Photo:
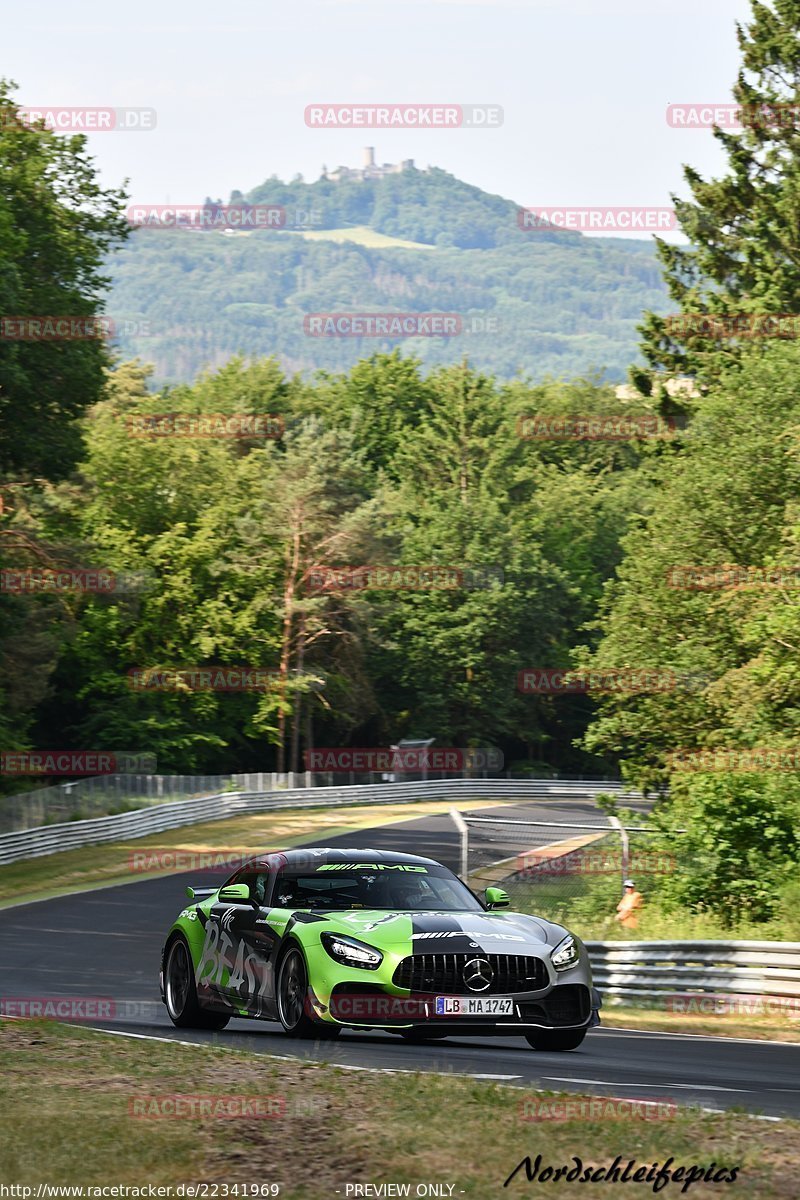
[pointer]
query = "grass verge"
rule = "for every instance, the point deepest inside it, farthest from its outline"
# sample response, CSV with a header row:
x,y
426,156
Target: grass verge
x,y
766,1027
69,1098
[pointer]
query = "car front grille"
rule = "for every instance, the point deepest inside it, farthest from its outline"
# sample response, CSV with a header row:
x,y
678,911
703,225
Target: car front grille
x,y
444,973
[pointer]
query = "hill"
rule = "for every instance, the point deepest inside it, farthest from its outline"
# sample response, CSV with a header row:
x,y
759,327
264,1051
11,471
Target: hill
x,y
538,302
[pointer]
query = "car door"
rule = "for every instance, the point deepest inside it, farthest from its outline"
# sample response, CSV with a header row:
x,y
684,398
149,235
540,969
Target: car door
x,y
263,940
236,967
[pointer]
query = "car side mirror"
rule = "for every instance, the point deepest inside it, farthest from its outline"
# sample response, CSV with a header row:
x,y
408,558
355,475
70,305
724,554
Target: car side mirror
x,y
234,893
496,898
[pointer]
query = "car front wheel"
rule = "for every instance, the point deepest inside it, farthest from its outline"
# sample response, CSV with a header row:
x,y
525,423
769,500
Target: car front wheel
x,y
292,994
556,1039
180,992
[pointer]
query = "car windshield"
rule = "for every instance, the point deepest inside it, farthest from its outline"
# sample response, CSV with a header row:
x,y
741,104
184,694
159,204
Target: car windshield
x,y
390,886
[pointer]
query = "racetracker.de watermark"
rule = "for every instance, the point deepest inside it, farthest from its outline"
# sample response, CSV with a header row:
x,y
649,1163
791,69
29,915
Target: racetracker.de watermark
x,y
627,680
144,862
615,219
402,578
733,325
726,114
34,581
76,762
170,858
28,328
369,1007
387,324
83,329
193,1106
403,760
205,425
754,758
597,1108
203,679
716,1005
621,427
593,862
200,217
711,578
59,1008
404,116
58,119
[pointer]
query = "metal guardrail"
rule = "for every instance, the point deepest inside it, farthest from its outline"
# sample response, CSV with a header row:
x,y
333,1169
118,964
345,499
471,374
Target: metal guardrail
x,y
107,795
630,971
72,835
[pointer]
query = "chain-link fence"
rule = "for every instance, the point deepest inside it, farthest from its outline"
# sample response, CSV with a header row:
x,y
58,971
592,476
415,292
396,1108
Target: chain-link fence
x,y
100,795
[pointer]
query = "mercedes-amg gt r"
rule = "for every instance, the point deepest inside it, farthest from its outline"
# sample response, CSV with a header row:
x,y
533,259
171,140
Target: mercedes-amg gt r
x,y
325,939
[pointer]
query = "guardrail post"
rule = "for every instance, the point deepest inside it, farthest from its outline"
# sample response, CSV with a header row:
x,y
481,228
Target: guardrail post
x,y
625,841
463,830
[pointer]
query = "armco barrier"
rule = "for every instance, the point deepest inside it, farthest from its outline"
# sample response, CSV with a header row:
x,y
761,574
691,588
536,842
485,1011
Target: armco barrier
x,y
653,971
50,839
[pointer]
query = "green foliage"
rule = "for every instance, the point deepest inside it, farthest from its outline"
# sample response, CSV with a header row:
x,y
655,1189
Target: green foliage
x,y
380,466
721,499
56,227
726,499
741,839
741,227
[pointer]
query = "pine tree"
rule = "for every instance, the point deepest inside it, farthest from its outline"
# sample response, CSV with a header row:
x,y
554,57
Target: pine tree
x,y
744,255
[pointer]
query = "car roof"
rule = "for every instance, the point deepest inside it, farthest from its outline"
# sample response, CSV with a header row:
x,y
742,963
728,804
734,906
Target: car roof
x,y
323,854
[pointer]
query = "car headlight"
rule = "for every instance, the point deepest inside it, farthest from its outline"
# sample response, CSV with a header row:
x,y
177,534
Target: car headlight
x,y
566,954
350,952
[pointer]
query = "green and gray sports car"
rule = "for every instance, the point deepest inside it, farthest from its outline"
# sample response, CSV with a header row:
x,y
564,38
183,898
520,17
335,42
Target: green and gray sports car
x,y
367,939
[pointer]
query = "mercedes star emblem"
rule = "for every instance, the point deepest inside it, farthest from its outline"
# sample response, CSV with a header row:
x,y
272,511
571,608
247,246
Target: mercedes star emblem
x,y
478,974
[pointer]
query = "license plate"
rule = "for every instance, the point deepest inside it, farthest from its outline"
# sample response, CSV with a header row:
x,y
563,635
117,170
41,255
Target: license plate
x,y
474,1006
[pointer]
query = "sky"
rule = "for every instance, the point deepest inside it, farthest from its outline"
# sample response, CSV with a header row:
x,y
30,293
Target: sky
x,y
584,87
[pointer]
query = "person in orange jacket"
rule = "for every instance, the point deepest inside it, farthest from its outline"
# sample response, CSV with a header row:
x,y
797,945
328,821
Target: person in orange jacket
x,y
629,905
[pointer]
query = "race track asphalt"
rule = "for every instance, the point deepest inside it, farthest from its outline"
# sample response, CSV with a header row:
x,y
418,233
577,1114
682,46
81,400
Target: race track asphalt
x,y
106,944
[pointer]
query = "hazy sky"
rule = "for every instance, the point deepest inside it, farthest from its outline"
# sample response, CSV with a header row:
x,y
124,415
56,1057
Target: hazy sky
x,y
584,85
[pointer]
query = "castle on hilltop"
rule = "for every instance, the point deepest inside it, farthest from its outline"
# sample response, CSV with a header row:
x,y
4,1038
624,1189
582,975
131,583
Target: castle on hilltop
x,y
370,170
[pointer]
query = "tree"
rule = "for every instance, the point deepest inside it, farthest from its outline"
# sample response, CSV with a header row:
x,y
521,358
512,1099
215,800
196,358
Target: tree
x,y
743,255
723,501
381,400
303,507
739,845
56,226
156,506
464,491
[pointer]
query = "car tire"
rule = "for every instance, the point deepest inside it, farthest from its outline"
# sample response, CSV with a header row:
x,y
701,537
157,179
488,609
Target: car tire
x,y
556,1039
180,991
291,994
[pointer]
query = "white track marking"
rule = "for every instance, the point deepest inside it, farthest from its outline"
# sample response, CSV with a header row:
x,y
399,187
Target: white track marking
x,y
147,1037
693,1087
704,1037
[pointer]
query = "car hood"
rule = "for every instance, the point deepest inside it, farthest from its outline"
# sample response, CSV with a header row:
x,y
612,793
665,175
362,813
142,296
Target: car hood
x,y
447,932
